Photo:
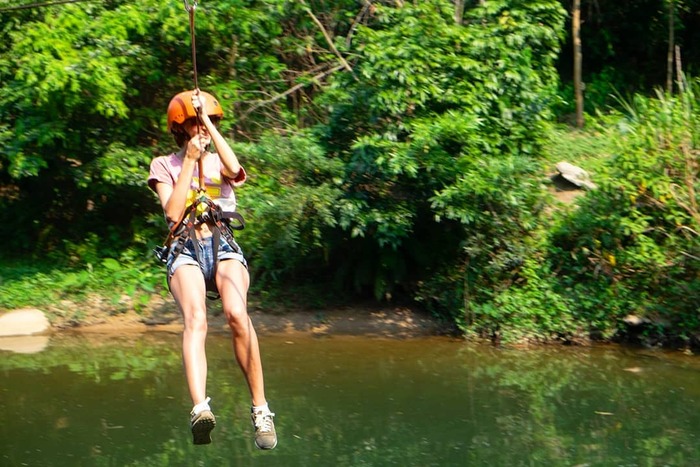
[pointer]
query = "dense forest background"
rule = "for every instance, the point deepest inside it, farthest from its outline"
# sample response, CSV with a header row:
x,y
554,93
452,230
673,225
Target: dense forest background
x,y
397,150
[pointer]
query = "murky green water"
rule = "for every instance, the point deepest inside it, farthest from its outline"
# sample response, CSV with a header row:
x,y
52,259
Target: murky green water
x,y
352,401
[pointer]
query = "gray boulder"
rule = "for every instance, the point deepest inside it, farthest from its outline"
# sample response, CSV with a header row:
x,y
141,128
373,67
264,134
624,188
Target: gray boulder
x,y
575,175
23,322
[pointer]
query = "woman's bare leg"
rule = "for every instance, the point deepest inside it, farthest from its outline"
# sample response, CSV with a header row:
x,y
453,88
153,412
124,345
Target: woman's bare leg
x,y
233,280
188,289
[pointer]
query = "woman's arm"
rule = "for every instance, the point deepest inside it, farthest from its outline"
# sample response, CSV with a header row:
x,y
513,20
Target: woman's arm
x,y
231,164
173,198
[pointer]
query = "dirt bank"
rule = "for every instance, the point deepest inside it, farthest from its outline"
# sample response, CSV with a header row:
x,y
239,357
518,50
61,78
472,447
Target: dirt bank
x,y
162,315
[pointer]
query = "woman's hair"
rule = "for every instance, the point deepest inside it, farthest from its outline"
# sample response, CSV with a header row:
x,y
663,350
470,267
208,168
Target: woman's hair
x,y
179,133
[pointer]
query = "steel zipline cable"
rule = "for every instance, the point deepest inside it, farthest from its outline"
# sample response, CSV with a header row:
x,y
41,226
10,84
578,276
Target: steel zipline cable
x,y
190,8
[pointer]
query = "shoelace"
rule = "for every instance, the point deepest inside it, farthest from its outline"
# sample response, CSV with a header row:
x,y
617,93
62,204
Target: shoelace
x,y
263,422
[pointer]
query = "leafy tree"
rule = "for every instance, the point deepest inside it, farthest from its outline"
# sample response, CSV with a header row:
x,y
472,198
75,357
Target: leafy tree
x,y
439,134
71,126
292,190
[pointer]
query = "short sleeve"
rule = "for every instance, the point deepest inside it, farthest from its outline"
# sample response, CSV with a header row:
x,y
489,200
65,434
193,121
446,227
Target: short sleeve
x,y
239,179
159,173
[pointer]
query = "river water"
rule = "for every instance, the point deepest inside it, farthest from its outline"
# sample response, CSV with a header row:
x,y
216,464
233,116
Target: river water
x,y
97,400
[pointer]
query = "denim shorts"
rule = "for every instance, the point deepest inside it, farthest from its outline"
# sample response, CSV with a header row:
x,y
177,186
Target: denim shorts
x,y
206,261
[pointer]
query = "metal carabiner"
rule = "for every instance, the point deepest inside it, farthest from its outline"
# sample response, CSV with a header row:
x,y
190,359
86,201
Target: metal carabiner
x,y
190,8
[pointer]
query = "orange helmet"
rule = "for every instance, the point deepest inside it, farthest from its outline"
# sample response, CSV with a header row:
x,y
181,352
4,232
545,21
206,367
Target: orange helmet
x,y
180,107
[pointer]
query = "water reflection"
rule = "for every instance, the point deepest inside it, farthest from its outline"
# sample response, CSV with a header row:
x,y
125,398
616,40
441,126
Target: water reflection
x,y
352,401
24,344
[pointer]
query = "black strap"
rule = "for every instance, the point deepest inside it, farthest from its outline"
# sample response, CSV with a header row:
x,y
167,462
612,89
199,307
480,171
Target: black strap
x,y
185,231
216,234
231,216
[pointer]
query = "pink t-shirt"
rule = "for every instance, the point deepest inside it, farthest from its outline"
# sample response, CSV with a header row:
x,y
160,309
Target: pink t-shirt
x,y
166,169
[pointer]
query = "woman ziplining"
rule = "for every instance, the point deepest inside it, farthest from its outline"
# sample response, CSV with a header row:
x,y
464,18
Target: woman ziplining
x,y
196,191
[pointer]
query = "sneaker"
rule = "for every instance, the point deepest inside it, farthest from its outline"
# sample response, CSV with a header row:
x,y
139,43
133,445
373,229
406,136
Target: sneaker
x,y
265,436
202,424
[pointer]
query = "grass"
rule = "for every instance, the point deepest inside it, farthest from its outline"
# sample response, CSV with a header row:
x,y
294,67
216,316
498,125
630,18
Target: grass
x,y
64,291
587,148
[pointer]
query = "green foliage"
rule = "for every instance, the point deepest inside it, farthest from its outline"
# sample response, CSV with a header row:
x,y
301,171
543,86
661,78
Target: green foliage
x,y
67,96
600,93
438,132
57,62
45,286
531,309
633,244
291,195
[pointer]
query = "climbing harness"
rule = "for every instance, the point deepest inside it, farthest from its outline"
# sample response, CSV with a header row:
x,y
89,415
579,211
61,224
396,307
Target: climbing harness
x,y
221,224
203,210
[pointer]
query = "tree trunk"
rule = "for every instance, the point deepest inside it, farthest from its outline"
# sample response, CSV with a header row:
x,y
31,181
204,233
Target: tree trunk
x,y
679,72
459,11
578,84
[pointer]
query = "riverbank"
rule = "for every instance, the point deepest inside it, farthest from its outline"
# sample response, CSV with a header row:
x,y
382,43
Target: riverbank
x,y
161,314
98,315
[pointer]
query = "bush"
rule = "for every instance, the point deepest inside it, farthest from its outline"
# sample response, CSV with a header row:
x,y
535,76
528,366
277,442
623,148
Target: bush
x,y
633,244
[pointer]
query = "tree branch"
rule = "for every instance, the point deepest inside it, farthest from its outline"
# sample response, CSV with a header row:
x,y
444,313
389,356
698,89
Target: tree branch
x,y
328,39
290,90
367,8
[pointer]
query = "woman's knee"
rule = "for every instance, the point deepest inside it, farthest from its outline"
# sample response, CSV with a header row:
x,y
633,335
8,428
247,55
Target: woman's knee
x,y
195,320
237,318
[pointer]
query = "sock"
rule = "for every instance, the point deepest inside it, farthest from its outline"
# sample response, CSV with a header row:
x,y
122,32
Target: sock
x,y
204,405
261,408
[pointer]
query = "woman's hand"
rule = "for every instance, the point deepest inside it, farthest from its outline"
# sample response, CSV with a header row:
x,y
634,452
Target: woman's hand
x,y
196,146
199,138
210,134
199,103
